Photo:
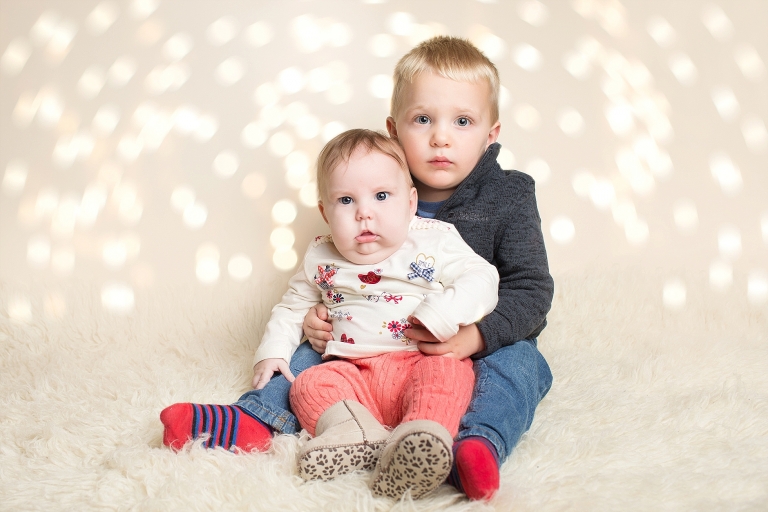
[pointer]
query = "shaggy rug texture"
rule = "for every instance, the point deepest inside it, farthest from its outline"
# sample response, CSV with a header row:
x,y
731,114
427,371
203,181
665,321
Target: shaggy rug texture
x,y
651,409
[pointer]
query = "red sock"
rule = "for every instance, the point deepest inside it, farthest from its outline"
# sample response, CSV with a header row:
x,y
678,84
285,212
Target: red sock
x,y
475,468
227,426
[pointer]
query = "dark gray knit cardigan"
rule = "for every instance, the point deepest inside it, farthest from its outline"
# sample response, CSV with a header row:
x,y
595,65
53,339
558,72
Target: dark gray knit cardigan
x,y
495,212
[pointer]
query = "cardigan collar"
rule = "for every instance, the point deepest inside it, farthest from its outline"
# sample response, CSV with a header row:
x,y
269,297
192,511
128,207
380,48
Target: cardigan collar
x,y
485,166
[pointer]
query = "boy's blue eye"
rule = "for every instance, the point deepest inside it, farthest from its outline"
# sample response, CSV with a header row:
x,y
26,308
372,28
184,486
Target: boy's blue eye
x,y
382,196
462,121
345,200
422,119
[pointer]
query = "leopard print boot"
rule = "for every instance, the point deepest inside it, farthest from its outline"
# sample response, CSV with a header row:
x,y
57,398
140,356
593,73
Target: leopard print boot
x,y
347,438
417,457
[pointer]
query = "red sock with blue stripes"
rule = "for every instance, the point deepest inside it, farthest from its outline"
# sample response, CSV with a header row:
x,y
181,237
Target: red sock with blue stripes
x,y
475,470
226,425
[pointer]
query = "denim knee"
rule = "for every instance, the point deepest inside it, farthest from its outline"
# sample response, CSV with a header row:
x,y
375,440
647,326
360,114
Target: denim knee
x,y
510,384
271,404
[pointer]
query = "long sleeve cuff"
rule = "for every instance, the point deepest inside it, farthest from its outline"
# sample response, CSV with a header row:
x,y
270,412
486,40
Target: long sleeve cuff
x,y
273,351
435,323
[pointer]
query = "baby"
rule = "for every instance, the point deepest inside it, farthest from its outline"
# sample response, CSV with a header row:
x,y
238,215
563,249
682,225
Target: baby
x,y
380,271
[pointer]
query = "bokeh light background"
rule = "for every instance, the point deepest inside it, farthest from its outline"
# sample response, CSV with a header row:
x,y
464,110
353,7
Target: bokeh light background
x,y
146,143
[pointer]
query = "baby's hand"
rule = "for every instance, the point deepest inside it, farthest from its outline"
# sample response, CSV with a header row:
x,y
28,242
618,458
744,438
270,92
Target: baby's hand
x,y
263,371
317,328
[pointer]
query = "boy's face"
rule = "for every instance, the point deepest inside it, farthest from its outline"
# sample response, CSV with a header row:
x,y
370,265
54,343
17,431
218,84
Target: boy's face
x,y
369,205
444,127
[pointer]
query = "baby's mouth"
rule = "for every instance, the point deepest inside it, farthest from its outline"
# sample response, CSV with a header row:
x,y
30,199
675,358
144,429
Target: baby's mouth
x,y
366,237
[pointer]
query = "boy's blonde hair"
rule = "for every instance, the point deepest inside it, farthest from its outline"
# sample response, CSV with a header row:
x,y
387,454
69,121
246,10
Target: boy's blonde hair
x,y
339,149
450,57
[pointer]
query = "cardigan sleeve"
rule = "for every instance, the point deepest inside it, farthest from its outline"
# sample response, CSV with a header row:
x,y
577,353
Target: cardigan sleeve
x,y
526,287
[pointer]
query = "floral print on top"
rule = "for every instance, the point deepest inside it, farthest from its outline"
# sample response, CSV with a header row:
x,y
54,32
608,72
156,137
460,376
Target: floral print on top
x,y
369,305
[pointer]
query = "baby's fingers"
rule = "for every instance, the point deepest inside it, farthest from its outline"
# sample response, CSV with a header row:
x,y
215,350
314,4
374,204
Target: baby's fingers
x,y
286,371
260,380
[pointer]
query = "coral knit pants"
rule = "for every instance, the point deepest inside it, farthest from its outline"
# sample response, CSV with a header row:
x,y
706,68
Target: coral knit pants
x,y
396,387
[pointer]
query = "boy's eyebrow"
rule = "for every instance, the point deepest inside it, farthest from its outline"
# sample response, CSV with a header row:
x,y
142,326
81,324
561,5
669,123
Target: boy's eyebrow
x,y
475,113
458,110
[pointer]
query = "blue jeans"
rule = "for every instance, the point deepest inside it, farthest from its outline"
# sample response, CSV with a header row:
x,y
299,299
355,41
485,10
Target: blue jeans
x,y
509,385
272,404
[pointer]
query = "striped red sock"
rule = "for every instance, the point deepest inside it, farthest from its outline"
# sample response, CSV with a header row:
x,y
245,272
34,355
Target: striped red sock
x,y
475,469
227,426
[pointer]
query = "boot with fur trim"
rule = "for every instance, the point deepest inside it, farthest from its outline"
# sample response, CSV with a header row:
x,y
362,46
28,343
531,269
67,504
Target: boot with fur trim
x,y
417,456
347,438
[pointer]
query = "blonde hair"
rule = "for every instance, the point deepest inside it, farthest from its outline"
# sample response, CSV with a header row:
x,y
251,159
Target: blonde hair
x,y
339,149
450,57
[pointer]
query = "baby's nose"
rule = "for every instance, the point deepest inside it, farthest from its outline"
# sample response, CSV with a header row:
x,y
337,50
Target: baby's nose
x,y
364,212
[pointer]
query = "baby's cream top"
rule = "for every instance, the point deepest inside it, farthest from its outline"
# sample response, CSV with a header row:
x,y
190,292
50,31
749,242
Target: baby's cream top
x,y
435,276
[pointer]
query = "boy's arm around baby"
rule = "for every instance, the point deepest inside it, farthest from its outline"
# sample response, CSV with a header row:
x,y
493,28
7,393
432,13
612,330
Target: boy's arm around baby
x,y
526,287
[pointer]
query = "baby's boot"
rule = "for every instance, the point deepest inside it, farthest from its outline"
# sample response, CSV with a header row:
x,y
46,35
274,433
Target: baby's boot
x,y
417,456
347,438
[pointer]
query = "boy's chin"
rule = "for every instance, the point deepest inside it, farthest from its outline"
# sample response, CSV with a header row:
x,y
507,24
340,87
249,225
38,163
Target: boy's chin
x,y
435,189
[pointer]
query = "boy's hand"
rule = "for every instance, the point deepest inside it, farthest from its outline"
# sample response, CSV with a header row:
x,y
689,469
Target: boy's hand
x,y
263,371
317,328
468,341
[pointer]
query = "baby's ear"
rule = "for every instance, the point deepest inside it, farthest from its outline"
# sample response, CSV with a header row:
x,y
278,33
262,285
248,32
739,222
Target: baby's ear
x,y
322,211
413,200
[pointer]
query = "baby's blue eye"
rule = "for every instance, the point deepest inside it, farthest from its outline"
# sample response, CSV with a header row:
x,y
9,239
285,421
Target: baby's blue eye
x,y
462,121
382,196
345,200
422,119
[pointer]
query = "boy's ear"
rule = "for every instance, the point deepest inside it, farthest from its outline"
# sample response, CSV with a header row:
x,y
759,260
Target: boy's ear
x,y
392,127
322,211
493,135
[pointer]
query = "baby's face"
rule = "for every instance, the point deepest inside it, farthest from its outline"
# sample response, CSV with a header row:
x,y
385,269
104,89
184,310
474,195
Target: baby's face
x,y
369,206
444,127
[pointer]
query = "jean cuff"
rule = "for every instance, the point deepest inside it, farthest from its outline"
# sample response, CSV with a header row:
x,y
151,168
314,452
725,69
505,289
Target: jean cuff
x,y
282,423
489,435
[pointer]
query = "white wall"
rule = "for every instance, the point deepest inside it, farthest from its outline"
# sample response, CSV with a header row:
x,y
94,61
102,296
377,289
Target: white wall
x,y
147,142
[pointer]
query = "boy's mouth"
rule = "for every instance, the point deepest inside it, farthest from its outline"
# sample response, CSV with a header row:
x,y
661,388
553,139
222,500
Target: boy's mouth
x,y
440,161
366,237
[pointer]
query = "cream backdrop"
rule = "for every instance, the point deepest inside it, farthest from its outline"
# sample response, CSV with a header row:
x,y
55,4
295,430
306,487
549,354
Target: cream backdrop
x,y
153,142
156,192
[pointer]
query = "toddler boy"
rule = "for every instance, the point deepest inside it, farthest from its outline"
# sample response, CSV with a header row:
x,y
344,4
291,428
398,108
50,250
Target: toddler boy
x,y
444,113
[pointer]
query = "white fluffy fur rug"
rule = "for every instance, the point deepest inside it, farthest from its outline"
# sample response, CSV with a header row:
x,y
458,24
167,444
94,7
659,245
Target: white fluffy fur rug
x,y
650,410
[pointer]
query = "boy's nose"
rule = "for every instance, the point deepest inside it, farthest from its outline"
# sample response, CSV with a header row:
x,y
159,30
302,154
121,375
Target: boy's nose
x,y
440,137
